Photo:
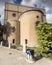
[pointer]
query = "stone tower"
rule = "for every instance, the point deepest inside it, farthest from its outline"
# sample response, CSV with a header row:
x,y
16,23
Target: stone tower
x,y
23,19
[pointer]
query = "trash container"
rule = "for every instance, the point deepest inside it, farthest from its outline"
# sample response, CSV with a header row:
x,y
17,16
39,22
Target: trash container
x,y
30,55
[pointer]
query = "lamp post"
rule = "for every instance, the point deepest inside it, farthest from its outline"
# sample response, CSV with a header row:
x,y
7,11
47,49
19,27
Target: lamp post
x,y
0,31
25,46
0,16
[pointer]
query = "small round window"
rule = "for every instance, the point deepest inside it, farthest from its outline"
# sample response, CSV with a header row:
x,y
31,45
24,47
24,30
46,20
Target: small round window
x,y
37,16
14,14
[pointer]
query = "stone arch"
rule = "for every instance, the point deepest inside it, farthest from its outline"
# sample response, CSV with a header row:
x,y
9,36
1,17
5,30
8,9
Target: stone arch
x,y
30,11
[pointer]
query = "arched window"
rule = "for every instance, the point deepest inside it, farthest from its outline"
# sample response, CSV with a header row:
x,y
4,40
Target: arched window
x,y
25,41
13,41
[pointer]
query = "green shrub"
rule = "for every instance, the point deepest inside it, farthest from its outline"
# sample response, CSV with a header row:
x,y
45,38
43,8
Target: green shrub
x,y
13,46
44,32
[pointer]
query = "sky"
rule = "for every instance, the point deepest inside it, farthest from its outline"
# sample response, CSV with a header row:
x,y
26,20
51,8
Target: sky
x,y
46,4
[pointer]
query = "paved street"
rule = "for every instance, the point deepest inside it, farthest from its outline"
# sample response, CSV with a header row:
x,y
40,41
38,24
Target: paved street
x,y
15,57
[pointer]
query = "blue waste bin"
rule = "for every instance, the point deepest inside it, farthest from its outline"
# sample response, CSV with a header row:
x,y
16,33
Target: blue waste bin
x,y
30,54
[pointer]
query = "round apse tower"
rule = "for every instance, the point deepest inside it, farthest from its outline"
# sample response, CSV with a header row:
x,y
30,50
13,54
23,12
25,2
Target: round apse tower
x,y
28,21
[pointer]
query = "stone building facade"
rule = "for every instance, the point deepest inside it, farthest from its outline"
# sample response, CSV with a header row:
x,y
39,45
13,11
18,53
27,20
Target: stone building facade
x,y
24,19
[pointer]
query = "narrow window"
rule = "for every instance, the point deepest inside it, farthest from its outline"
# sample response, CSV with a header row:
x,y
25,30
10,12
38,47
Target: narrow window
x,y
25,41
37,23
13,41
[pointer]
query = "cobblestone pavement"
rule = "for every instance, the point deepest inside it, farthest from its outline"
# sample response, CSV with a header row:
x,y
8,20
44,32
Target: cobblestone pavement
x,y
16,57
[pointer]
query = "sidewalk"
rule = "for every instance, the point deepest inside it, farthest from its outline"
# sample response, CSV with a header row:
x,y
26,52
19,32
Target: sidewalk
x,y
15,57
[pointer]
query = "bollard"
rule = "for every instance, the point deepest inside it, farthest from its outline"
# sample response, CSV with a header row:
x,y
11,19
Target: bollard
x,y
9,45
24,48
1,43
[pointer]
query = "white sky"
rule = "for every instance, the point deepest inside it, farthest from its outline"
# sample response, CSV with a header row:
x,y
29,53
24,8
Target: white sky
x,y
47,4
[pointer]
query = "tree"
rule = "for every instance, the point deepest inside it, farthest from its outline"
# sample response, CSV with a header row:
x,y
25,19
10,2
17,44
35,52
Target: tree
x,y
44,32
8,29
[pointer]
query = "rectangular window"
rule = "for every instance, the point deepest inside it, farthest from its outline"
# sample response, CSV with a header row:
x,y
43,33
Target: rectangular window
x,y
13,41
25,41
